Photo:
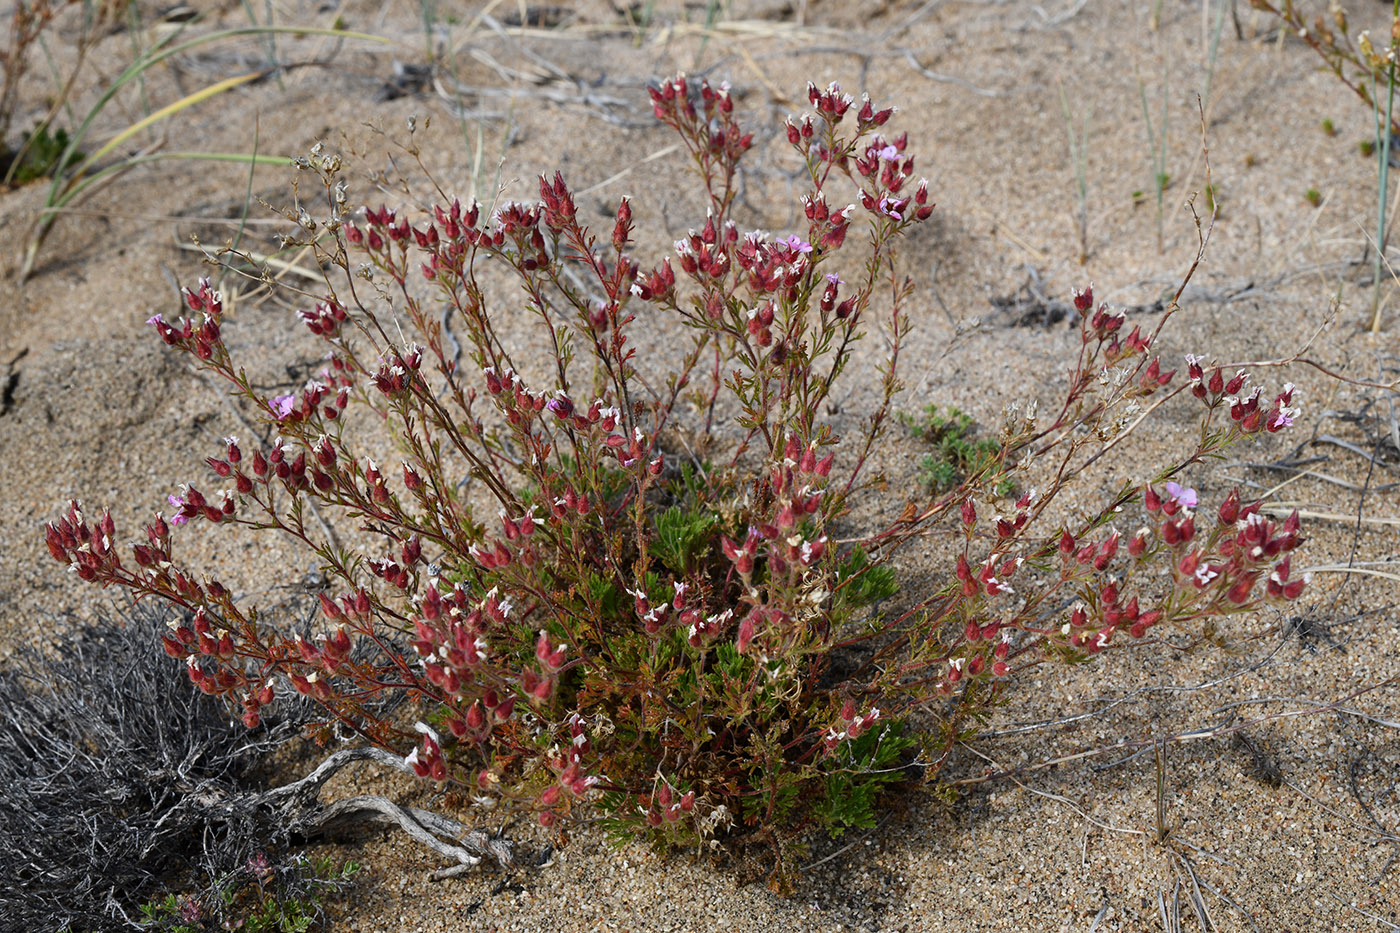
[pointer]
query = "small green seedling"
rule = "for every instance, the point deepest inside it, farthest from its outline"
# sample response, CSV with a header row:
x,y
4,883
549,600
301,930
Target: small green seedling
x,y
262,897
1313,196
955,455
41,155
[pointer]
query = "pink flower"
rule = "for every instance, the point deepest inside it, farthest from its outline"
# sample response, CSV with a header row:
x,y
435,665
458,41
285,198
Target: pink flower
x,y
1182,494
281,406
796,244
1281,417
177,503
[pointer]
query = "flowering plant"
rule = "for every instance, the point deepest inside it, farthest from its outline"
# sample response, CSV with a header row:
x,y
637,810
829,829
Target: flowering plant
x,y
644,610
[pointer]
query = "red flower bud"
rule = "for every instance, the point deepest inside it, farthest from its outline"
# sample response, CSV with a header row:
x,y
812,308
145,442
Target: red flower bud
x,y
1151,499
1084,300
1239,593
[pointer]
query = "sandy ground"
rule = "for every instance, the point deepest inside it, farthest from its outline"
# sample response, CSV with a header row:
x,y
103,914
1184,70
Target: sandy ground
x,y
94,407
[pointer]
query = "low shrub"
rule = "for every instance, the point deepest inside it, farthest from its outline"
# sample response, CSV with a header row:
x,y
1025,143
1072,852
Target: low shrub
x,y
609,579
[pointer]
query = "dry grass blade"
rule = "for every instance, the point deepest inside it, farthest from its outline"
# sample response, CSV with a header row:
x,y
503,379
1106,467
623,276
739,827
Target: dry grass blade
x,y
1169,910
73,183
1351,568
254,258
1386,924
1198,904
948,79
1283,509
1359,451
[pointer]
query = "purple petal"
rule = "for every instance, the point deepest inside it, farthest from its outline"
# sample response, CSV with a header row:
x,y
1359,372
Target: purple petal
x,y
1185,495
796,243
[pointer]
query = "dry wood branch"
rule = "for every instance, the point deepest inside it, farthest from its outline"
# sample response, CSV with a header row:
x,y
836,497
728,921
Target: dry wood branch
x,y
297,809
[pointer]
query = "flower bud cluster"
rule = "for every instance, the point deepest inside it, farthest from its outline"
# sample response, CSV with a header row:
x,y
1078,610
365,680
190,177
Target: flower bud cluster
x,y
293,408
210,657
296,473
551,656
1103,327
780,543
427,760
1245,409
325,319
450,240
1091,626
572,779
1212,573
827,229
706,254
687,609
86,550
1233,559
665,806
712,123
451,641
399,373
385,238
849,726
205,341
988,580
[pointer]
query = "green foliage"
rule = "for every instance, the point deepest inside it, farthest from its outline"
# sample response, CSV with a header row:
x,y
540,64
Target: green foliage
x,y
1313,196
604,594
259,898
41,155
955,455
856,775
860,584
681,534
